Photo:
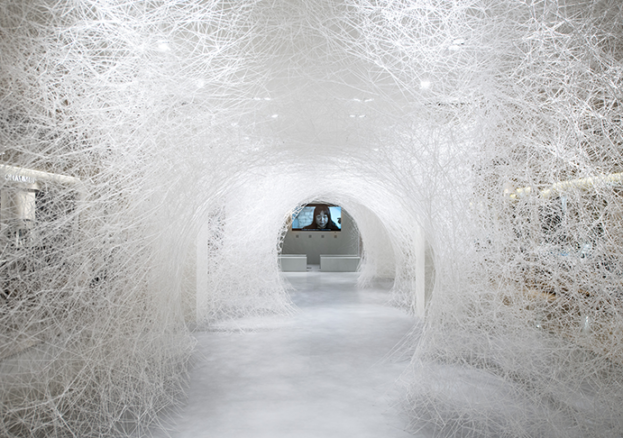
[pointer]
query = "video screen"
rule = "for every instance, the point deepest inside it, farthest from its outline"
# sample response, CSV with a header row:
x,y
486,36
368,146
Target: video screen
x,y
317,217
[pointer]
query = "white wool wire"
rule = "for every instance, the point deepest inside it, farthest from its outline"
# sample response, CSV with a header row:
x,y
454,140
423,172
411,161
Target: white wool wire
x,y
216,119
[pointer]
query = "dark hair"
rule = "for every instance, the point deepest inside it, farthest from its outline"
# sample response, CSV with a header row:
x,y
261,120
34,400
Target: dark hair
x,y
321,209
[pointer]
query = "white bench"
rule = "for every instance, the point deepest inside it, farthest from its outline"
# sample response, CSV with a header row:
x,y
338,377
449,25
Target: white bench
x,y
339,263
293,262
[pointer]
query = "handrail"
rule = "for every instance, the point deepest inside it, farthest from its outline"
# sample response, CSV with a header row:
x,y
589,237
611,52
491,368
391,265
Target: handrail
x,y
581,183
22,174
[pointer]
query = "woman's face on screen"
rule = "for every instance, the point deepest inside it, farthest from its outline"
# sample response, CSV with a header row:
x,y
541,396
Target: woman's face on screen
x,y
322,219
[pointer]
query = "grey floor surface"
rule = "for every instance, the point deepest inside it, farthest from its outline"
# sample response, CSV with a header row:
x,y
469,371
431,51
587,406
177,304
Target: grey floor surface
x,y
330,370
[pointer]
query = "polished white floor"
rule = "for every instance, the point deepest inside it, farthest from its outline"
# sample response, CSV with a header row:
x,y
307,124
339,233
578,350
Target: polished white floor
x,y
328,371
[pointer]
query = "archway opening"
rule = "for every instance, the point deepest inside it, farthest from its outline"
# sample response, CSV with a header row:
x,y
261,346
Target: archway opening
x,y
361,245
320,236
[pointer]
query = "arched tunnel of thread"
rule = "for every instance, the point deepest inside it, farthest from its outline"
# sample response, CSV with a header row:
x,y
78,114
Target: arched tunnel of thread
x,y
129,128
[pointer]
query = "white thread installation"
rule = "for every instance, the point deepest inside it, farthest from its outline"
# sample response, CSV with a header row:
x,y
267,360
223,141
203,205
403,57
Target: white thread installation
x,y
130,128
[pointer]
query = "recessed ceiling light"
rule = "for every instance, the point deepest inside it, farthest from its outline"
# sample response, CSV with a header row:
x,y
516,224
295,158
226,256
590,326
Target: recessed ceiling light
x,y
163,46
456,44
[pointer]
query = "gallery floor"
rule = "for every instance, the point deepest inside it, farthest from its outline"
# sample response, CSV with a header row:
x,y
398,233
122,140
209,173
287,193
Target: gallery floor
x,y
330,370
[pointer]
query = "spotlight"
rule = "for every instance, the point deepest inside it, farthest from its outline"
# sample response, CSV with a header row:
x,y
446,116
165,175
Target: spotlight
x,y
163,46
456,44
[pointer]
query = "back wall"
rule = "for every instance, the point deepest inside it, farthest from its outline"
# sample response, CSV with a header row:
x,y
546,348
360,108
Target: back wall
x,y
315,243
